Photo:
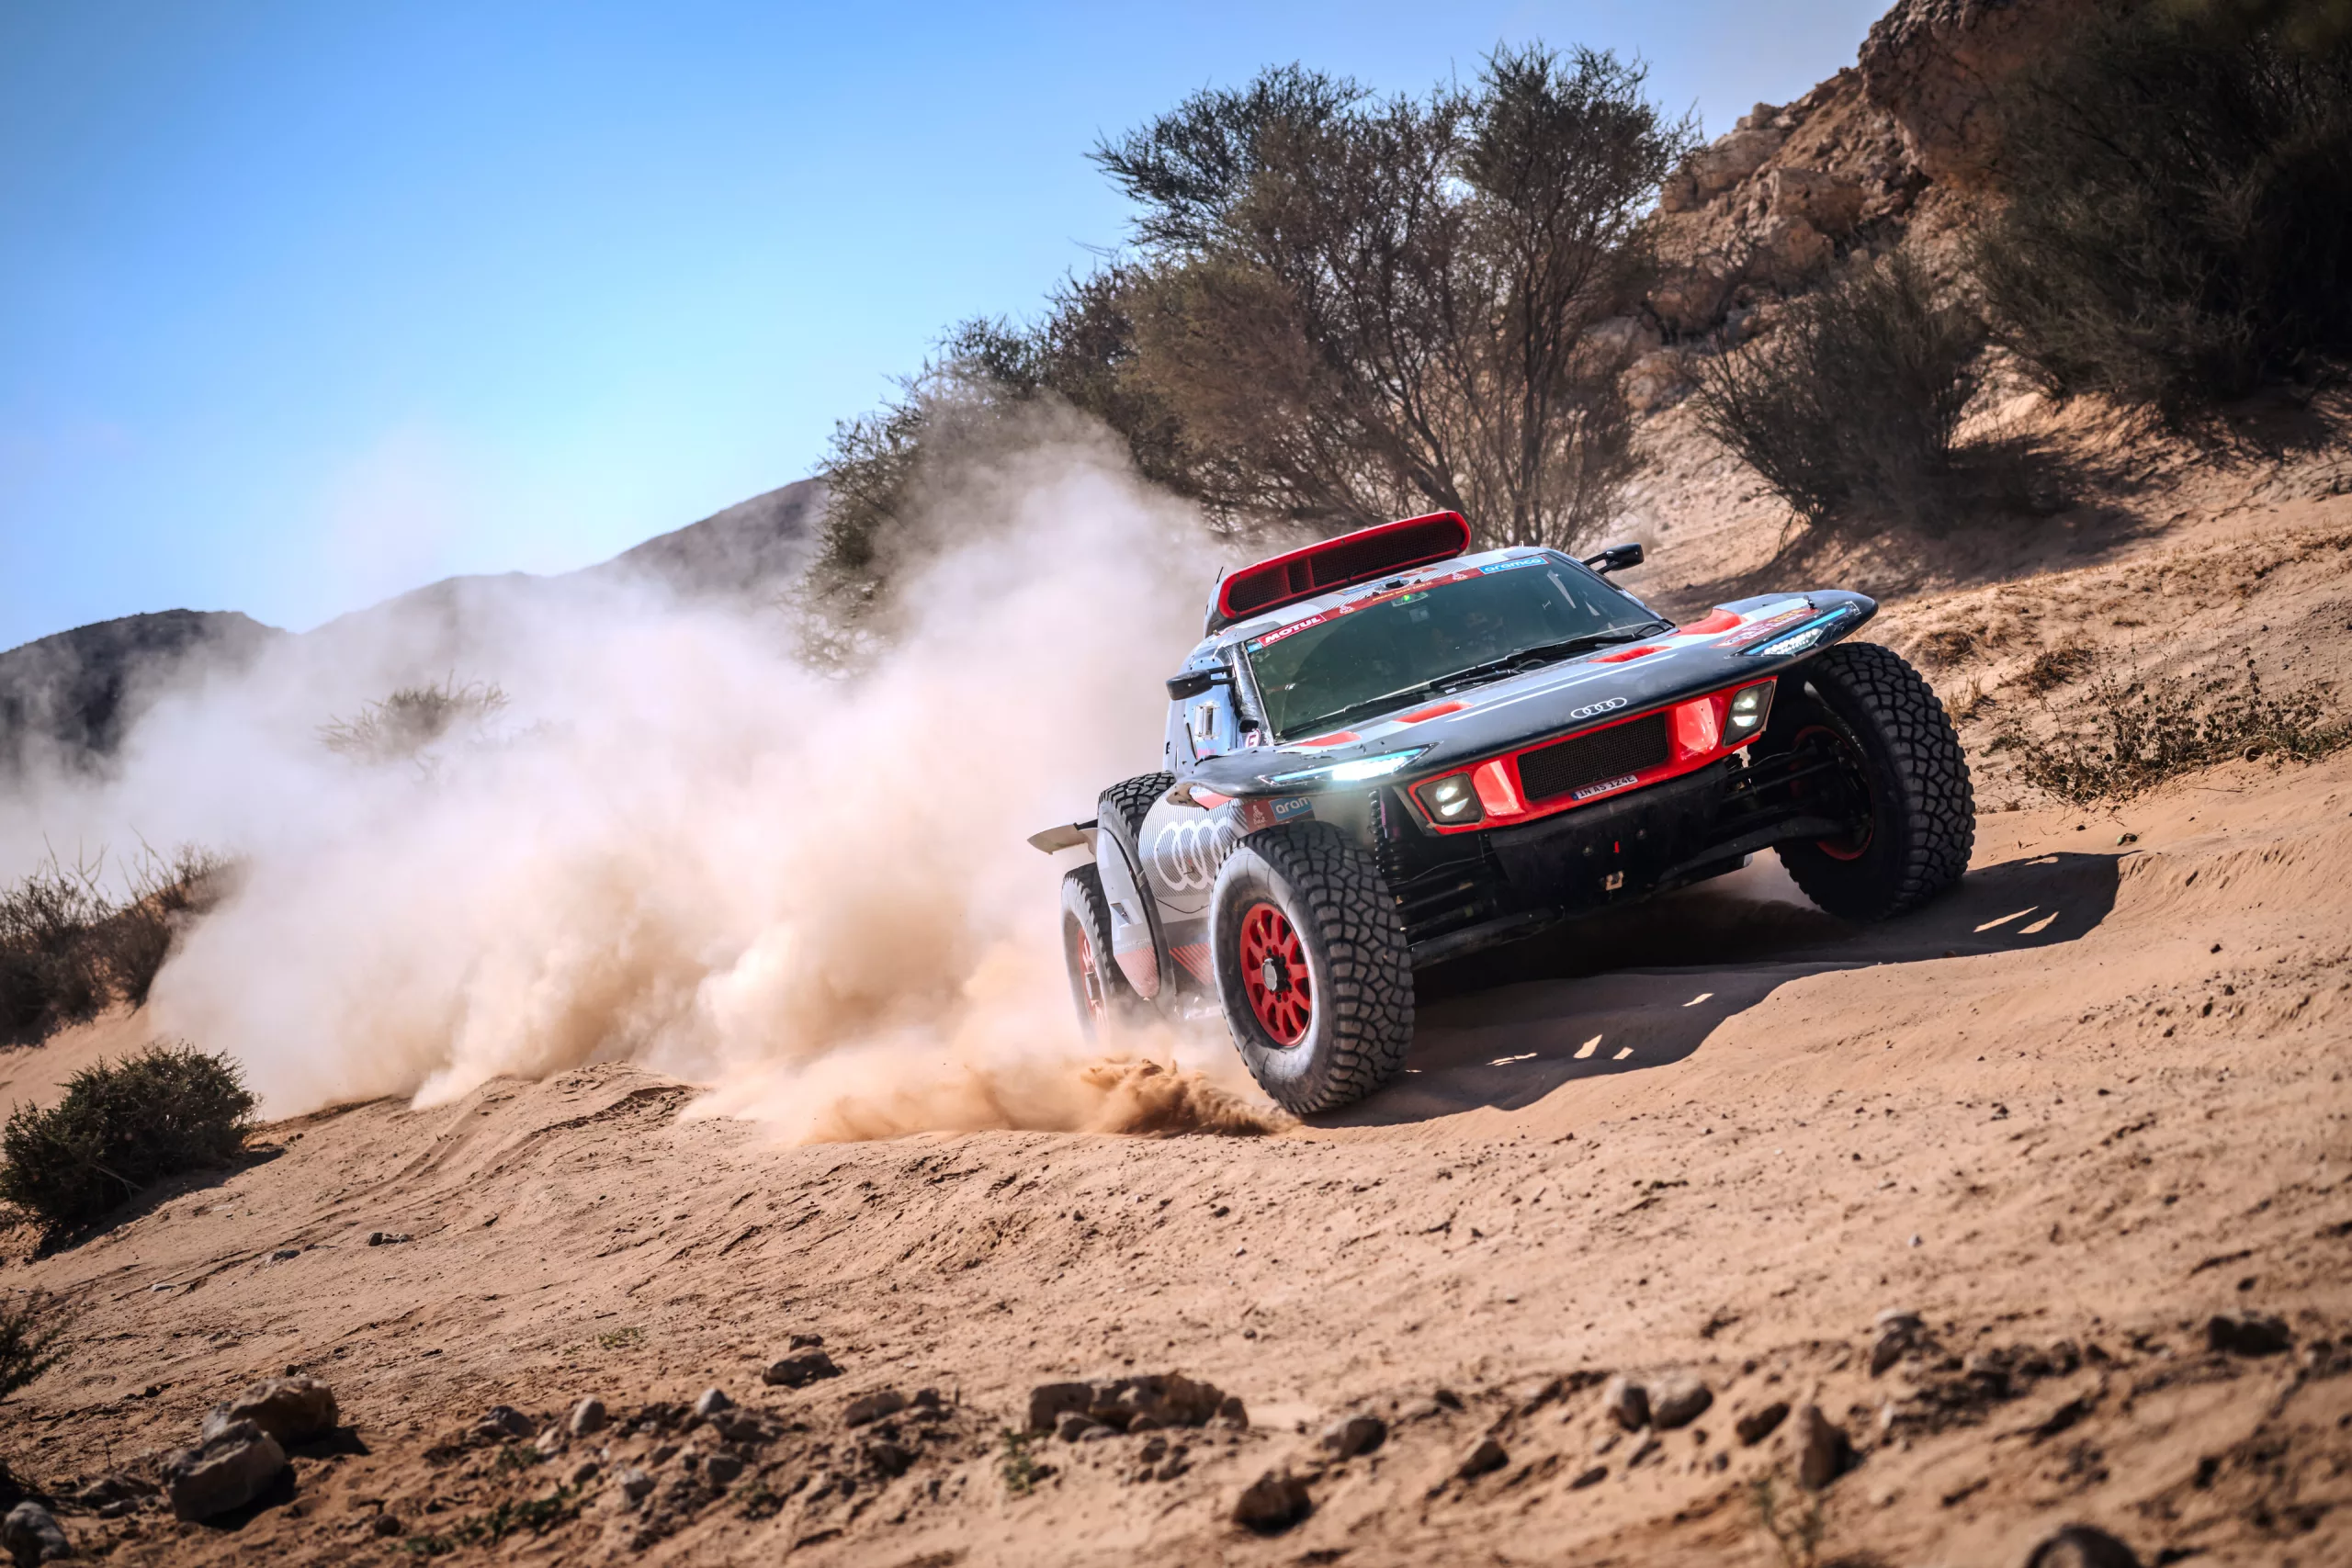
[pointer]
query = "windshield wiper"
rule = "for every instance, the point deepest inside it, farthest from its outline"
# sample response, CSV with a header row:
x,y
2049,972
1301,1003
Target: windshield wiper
x,y
1548,652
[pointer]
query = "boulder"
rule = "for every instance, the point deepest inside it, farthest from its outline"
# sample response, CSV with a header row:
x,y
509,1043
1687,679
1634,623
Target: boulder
x,y
1935,66
1354,1435
292,1410
1655,380
32,1535
1487,1455
1829,204
1729,159
870,1407
1273,1503
1690,299
800,1369
712,1402
1758,1424
1823,1451
1898,1332
2249,1335
587,1417
232,1467
1048,1402
1676,1399
1626,1402
505,1421
2082,1546
1789,249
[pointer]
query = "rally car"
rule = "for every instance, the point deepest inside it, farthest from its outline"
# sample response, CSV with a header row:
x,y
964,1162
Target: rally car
x,y
1386,752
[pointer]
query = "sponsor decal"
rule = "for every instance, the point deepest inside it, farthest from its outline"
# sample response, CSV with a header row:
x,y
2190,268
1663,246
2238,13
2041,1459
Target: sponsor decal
x,y
1271,637
1257,815
1757,631
1605,786
1511,565
1806,635
1187,855
1611,706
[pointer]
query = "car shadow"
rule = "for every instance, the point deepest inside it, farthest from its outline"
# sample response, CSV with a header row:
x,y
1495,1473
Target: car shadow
x,y
1591,999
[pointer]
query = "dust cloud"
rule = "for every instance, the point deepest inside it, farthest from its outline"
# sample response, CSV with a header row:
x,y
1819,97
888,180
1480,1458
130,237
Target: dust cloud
x,y
680,845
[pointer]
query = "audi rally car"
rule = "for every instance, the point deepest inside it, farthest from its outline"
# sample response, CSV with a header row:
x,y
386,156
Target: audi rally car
x,y
1386,752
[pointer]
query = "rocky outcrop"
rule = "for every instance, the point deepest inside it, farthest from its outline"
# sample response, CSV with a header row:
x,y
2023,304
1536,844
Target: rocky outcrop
x,y
1934,66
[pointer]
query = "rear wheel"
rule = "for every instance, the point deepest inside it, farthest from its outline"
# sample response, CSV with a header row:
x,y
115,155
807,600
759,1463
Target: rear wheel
x,y
1893,771
1312,969
1101,993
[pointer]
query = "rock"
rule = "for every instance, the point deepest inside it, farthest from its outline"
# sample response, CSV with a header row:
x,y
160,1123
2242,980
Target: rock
x,y
1646,1449
1354,1435
585,1471
2249,1335
636,1485
804,1342
1273,1503
31,1535
1655,380
712,1402
1625,1401
800,1369
2082,1546
741,1426
1073,1424
1627,336
505,1421
1049,1402
292,1410
868,1407
387,1524
1824,1452
886,1460
1758,1424
587,1417
387,1239
1937,66
1897,1332
722,1469
1233,1413
1829,204
1729,159
231,1467
108,1491
1490,1455
1676,1399
1789,249
1593,1477
1691,299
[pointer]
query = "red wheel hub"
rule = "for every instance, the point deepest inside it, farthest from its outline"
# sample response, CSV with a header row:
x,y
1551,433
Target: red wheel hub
x,y
1274,972
1822,739
1090,979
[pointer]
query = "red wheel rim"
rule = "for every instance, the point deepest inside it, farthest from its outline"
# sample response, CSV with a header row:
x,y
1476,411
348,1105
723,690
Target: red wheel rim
x,y
1854,848
1089,980
1274,972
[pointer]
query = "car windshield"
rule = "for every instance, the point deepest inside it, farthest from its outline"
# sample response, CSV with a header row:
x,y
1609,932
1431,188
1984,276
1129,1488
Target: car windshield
x,y
1355,661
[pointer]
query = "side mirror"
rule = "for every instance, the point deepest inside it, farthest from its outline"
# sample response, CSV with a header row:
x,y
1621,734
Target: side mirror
x,y
1616,558
1192,683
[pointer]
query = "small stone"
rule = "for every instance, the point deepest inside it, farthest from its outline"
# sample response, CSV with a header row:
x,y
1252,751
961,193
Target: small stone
x,y
1627,1402
291,1409
32,1535
1603,1443
887,1460
928,1399
636,1485
722,1469
1823,1451
232,1467
387,1524
387,1238
712,1402
587,1417
1898,1332
1273,1503
505,1421
804,1342
1676,1399
1490,1455
1758,1424
1097,1432
800,1369
1049,1402
2249,1335
1593,1477
1649,1448
2082,1546
873,1406
585,1471
1354,1435
285,1254
1073,1424
1233,1413
1155,1451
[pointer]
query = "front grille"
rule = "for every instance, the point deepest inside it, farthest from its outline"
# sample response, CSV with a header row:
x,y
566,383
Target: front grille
x,y
1588,759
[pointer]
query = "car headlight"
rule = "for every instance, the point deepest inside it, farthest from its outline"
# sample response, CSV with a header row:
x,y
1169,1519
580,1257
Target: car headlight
x,y
1362,768
1453,799
1750,705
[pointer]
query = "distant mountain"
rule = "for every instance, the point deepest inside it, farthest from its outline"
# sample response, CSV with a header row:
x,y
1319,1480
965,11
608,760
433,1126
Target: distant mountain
x,y
75,695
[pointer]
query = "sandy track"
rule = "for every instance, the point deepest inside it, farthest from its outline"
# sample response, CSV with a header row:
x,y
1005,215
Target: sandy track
x,y
2102,1086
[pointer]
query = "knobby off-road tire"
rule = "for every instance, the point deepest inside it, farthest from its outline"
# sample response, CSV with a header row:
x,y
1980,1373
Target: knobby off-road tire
x,y
1923,808
1308,893
1097,986
1119,812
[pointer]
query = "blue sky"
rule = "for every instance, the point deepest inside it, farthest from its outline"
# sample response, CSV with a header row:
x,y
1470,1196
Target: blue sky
x,y
305,304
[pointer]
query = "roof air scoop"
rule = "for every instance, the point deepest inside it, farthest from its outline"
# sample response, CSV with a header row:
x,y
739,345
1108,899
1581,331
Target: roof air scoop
x,y
1360,557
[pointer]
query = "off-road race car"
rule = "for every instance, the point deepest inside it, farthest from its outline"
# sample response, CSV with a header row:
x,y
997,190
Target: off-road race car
x,y
1386,752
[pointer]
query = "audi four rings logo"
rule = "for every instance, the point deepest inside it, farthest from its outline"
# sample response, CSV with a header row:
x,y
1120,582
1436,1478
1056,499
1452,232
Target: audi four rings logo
x,y
1590,709
1187,855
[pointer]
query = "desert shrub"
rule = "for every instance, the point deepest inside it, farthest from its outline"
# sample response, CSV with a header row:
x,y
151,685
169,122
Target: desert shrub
x,y
410,719
1849,408
2178,226
68,950
2143,732
121,1126
32,1338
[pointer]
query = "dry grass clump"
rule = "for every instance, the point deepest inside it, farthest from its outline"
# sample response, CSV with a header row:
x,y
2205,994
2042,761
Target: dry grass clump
x,y
2056,667
122,1126
32,1338
410,719
2143,733
68,950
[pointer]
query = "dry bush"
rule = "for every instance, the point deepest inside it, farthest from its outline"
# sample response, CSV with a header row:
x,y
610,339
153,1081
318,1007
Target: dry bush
x,y
2142,733
2177,227
1849,409
68,952
121,1126
410,719
32,1338
2056,667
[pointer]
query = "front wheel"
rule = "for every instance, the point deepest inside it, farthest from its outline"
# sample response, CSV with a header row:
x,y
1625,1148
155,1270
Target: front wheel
x,y
1312,967
1892,764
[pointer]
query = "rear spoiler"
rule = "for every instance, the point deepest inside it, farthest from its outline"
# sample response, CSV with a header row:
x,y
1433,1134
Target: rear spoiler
x,y
1351,559
1069,836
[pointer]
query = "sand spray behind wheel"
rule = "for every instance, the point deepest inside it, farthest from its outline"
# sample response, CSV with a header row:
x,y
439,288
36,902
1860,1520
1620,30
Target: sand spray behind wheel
x,y
679,846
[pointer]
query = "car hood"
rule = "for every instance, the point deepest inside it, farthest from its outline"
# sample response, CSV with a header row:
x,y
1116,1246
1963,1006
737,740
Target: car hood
x,y
1601,687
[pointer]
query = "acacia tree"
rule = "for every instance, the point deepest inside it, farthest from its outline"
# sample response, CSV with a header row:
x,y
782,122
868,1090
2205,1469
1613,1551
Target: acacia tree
x,y
1354,309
